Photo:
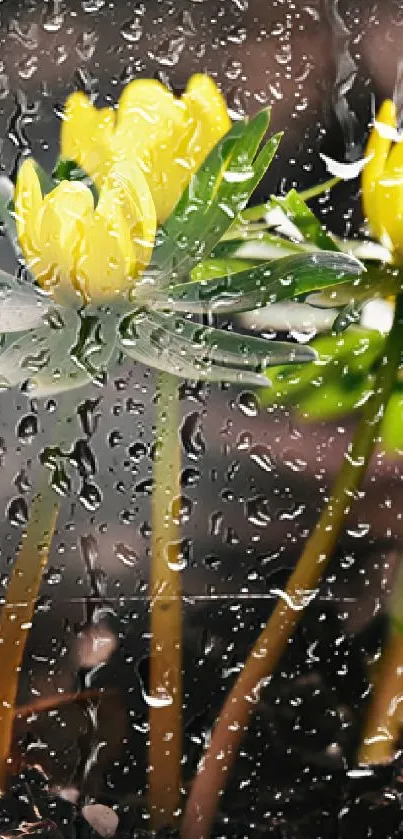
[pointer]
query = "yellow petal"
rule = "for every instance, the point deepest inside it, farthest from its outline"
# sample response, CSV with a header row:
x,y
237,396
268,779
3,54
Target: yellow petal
x,y
210,114
389,199
378,148
149,111
27,203
64,215
87,135
153,130
118,239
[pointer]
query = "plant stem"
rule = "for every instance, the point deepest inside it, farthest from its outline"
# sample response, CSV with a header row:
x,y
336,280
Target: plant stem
x,y
239,705
319,189
259,210
165,688
385,715
17,612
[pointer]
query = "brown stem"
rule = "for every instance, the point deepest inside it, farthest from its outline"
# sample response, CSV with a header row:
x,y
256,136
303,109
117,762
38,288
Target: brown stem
x,y
265,655
17,612
165,689
385,712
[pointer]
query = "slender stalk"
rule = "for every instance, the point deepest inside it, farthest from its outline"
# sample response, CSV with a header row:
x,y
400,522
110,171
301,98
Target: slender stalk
x,y
17,612
259,210
385,714
319,189
165,688
239,705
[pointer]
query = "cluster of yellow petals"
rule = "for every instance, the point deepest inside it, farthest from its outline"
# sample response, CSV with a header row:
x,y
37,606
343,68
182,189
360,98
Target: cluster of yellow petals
x,y
70,245
166,136
382,181
141,157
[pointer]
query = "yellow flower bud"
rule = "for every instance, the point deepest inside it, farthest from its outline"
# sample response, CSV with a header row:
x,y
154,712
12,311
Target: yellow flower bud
x,y
167,137
382,181
72,246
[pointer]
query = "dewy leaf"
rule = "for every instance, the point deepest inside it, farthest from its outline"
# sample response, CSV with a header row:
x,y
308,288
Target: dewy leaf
x,y
349,314
22,306
281,279
336,398
305,220
343,372
186,349
215,196
44,359
67,170
377,281
47,183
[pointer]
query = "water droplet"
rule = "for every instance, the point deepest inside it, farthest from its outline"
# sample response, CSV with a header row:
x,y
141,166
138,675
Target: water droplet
x,y
90,496
91,6
190,477
27,428
297,601
261,455
53,18
83,458
53,576
169,51
248,403
132,30
125,554
137,451
257,511
17,511
216,520
192,436
89,416
86,44
178,554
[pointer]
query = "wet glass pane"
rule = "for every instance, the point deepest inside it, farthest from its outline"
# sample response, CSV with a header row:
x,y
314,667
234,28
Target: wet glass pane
x,y
201,419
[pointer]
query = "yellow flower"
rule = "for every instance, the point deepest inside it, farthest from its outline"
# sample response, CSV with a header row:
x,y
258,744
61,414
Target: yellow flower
x,y
167,137
71,245
382,181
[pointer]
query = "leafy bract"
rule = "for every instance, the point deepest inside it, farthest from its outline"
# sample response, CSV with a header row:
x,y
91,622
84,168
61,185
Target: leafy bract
x,y
174,344
281,279
214,198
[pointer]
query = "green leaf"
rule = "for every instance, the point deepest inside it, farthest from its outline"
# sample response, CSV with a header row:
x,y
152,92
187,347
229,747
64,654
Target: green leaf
x,y
216,194
47,361
392,425
342,368
46,182
378,281
189,350
22,306
336,398
258,247
349,315
210,269
305,220
281,279
68,170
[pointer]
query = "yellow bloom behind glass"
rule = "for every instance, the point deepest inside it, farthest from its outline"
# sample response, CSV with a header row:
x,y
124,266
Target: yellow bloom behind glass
x,y
382,181
71,245
167,137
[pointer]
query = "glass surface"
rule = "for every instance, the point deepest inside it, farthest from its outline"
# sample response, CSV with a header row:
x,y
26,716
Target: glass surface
x,y
255,476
